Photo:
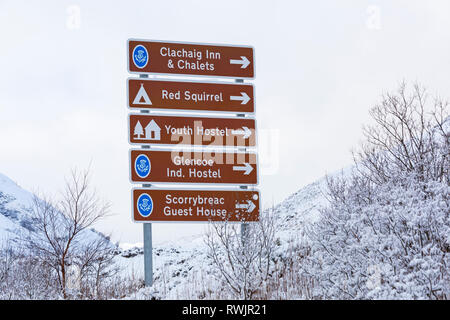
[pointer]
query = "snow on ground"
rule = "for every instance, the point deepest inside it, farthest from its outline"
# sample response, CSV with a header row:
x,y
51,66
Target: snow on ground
x,y
174,264
179,263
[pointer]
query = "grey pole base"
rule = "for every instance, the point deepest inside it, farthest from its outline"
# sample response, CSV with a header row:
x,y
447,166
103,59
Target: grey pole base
x,y
148,255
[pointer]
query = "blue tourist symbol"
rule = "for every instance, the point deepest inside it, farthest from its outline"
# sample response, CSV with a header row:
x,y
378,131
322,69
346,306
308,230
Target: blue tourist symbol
x,y
145,205
140,56
142,166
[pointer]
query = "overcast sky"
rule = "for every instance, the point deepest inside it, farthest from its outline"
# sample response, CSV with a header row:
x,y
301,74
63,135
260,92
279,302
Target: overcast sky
x,y
320,66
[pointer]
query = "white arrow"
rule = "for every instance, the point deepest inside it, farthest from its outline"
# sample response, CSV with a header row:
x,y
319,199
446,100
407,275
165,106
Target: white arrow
x,y
246,167
244,98
250,206
246,132
243,61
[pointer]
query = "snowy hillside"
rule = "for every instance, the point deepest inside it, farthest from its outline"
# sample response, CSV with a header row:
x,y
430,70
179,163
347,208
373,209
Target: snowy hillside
x,y
298,210
16,220
182,267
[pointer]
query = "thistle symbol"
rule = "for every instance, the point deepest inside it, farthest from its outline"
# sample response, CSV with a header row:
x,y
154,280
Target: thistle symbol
x,y
140,56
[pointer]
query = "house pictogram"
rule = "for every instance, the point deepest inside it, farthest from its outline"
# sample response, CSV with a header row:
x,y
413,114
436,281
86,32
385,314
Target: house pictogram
x,y
152,131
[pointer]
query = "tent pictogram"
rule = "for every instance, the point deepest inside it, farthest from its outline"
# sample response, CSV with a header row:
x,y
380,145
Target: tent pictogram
x,y
142,95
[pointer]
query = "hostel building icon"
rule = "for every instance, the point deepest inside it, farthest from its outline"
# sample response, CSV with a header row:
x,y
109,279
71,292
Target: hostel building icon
x,y
152,131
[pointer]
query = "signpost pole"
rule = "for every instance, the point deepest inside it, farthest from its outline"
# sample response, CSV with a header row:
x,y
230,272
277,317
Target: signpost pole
x,y
148,261
244,225
147,228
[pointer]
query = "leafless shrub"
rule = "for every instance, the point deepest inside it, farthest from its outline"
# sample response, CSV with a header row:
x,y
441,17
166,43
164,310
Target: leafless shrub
x,y
409,136
22,276
95,266
61,231
242,261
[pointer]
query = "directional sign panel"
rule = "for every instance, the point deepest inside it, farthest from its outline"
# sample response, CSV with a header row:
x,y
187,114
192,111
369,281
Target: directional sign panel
x,y
196,131
162,205
146,56
188,95
193,167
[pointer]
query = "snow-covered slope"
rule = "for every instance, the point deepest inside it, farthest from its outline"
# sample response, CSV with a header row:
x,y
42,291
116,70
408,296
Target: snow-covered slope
x,y
16,220
179,266
299,210
15,217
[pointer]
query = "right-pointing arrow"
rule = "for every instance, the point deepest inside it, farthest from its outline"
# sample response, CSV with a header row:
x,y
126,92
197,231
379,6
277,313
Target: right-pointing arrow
x,y
249,206
244,62
245,132
244,98
247,168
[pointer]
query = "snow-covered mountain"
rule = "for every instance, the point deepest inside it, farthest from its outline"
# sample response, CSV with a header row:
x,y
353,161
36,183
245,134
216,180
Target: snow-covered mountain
x,y
15,217
16,220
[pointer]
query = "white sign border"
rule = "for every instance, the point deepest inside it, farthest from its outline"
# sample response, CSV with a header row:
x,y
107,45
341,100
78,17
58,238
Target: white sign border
x,y
196,189
188,146
190,43
206,184
191,110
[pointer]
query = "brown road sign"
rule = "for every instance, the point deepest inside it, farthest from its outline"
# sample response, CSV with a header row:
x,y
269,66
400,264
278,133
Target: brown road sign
x,y
163,205
193,167
196,131
164,57
189,95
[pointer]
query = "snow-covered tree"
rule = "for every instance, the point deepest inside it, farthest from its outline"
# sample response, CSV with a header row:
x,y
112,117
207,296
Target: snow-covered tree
x,y
386,233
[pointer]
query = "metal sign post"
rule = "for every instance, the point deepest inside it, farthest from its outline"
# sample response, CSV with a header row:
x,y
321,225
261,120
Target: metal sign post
x,y
148,254
244,225
227,132
147,229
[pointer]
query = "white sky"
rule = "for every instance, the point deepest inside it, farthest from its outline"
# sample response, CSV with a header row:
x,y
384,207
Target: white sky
x,y
320,66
